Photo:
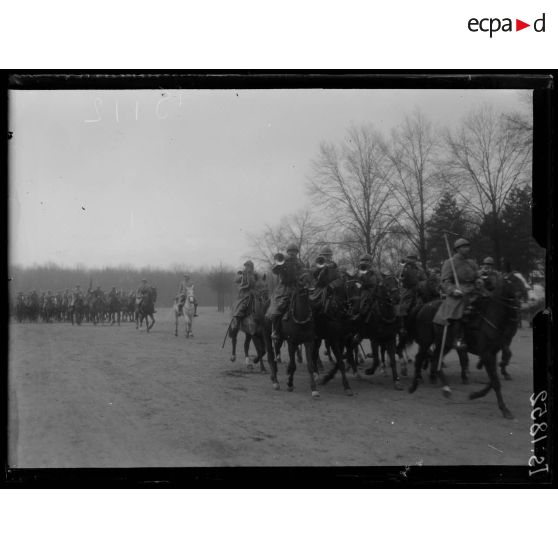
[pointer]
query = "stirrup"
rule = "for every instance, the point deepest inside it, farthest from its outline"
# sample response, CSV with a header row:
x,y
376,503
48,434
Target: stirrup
x,y
460,344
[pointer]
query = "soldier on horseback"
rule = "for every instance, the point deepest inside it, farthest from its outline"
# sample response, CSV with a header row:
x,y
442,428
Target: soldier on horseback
x,y
411,276
459,276
77,293
290,271
324,272
185,285
246,281
488,275
369,279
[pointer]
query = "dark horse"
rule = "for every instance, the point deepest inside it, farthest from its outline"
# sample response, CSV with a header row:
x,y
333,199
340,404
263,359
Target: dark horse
x,y
380,324
76,311
145,308
333,325
297,326
252,325
488,330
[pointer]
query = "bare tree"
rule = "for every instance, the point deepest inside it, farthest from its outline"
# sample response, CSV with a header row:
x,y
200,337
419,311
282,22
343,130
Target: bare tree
x,y
350,184
414,158
302,228
487,160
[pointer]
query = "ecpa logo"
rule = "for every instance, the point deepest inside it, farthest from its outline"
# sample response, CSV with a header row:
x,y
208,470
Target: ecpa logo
x,y
494,24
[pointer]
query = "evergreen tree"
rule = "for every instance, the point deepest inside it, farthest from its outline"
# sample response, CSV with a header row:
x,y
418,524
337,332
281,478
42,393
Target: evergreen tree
x,y
447,218
519,248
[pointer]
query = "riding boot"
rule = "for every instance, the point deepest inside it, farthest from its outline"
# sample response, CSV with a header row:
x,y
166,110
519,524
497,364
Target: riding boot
x,y
275,326
195,310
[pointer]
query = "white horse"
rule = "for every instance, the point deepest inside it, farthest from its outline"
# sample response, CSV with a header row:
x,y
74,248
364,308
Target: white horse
x,y
184,306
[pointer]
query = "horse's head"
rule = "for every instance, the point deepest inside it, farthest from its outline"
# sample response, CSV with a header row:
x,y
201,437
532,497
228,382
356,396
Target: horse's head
x,y
383,298
512,285
392,285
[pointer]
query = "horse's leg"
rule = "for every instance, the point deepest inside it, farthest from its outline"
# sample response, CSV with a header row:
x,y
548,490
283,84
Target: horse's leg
x,y
420,357
464,362
489,360
434,371
299,355
375,358
175,323
233,335
260,350
291,367
383,358
390,347
338,354
152,321
309,347
351,356
506,357
270,355
277,346
247,360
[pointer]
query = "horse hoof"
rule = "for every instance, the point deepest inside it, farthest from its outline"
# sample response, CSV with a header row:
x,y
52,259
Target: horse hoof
x,y
507,414
507,376
369,371
397,385
233,358
290,388
349,392
413,387
315,394
276,386
433,378
446,391
464,380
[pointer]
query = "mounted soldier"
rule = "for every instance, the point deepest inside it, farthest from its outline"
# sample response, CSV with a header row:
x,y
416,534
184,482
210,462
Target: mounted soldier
x,y
459,283
324,272
369,279
411,276
187,285
488,275
291,273
246,281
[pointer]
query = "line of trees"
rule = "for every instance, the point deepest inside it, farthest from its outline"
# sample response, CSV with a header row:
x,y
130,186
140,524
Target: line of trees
x,y
389,194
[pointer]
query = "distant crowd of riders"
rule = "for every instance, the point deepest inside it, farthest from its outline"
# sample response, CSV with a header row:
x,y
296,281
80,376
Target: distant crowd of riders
x,y
77,306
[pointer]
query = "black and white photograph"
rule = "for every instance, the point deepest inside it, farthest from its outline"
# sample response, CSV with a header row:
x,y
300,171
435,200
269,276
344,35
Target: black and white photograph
x,y
316,276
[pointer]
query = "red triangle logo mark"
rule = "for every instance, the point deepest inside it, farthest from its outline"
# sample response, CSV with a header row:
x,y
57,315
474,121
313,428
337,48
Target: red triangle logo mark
x,y
519,25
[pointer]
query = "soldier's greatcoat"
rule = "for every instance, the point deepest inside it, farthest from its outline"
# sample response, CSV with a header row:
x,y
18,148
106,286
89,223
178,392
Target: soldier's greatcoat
x,y
411,276
289,274
246,284
467,273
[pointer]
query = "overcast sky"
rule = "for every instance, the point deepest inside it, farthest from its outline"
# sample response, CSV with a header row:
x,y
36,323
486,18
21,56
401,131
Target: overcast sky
x,y
165,178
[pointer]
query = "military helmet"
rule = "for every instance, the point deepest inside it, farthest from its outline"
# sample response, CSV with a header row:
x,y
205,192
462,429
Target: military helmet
x,y
292,247
488,261
249,263
326,251
461,242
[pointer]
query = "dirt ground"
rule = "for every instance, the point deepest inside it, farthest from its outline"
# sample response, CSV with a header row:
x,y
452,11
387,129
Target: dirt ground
x,y
109,396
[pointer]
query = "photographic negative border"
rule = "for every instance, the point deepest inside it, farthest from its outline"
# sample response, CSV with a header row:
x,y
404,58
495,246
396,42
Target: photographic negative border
x,y
544,175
